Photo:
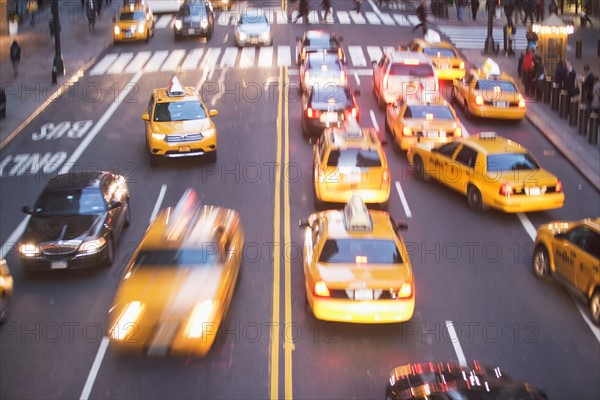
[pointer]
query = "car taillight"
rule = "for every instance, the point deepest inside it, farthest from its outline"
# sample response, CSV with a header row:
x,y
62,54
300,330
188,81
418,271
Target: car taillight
x,y
342,77
386,176
322,174
310,113
307,78
385,81
405,291
506,189
558,187
521,103
303,54
354,112
461,65
458,132
479,100
340,54
321,289
406,131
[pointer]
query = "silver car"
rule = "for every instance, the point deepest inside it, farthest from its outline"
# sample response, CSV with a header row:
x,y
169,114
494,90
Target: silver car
x,y
253,28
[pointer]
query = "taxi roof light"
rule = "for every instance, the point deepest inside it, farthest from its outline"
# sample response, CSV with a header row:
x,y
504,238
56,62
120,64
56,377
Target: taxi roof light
x,y
175,88
487,135
432,37
352,130
356,215
491,68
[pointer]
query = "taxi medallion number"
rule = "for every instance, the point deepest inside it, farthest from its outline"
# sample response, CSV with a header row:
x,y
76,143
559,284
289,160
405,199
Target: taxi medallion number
x,y
501,104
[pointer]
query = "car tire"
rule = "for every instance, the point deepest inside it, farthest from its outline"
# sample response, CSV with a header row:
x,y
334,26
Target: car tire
x,y
110,252
383,206
5,303
147,35
211,157
595,307
127,215
474,198
154,160
420,169
540,262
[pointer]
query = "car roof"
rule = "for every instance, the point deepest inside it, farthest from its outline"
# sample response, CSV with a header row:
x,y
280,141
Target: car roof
x,y
318,34
134,7
424,43
351,135
336,226
76,180
497,145
324,57
401,56
481,75
161,95
438,101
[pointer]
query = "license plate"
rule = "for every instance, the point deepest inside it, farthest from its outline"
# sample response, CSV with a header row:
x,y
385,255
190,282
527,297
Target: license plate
x,y
184,149
191,31
534,191
363,294
329,117
58,265
432,134
254,40
501,104
352,178
127,34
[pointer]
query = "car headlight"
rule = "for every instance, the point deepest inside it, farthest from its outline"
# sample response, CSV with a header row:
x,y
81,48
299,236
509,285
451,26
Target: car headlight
x,y
117,30
178,24
29,249
242,35
199,318
209,132
266,35
125,324
92,246
133,28
158,136
141,26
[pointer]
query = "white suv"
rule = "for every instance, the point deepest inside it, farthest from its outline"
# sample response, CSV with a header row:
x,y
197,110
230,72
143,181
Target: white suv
x,y
400,74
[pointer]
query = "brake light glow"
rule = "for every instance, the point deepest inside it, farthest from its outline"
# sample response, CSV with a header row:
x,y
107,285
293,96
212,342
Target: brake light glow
x,y
354,112
521,103
406,131
310,113
558,187
321,289
411,62
461,65
479,100
405,291
342,77
506,189
458,132
385,81
340,54
360,259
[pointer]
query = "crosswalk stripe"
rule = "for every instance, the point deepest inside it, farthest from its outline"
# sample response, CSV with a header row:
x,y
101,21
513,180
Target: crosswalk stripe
x,y
374,53
372,18
223,19
192,60
247,57
103,64
343,17
156,61
358,18
281,17
284,56
313,17
120,63
211,57
138,62
357,56
387,19
401,20
173,60
229,57
163,21
413,20
265,57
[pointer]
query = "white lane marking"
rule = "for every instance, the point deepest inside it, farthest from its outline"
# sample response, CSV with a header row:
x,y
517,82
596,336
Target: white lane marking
x,y
594,328
102,65
265,57
401,20
192,60
284,56
89,383
374,53
159,200
357,56
14,236
343,17
247,57
282,17
387,19
357,78
403,200
156,61
372,18
163,21
138,62
229,57
224,19
173,60
313,17
454,339
374,7
358,18
210,60
529,228
374,120
413,20
120,63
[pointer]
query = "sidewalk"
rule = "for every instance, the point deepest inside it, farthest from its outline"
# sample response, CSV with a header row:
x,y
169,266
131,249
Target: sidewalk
x,y
33,86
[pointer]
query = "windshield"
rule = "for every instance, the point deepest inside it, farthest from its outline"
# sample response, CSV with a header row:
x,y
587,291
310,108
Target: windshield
x,y
253,19
421,70
437,112
324,62
439,52
131,16
329,95
320,41
202,256
178,111
372,251
71,202
511,162
353,158
503,86
192,10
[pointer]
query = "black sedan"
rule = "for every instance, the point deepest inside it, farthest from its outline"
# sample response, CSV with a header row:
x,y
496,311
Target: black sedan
x,y
450,380
195,18
76,222
328,105
318,41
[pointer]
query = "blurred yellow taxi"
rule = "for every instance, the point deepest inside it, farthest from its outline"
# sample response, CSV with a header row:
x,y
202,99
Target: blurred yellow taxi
x,y
350,160
415,121
569,251
178,124
488,92
179,282
446,61
356,266
135,22
6,289
491,171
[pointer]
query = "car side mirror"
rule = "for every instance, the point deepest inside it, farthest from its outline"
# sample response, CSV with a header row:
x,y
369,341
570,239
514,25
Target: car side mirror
x,y
145,117
213,113
560,236
27,210
401,226
115,204
303,223
357,92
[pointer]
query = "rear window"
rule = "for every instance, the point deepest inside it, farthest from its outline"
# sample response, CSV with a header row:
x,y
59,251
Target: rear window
x,y
329,96
421,70
437,112
331,61
439,52
320,41
354,158
178,111
511,162
504,86
253,19
372,251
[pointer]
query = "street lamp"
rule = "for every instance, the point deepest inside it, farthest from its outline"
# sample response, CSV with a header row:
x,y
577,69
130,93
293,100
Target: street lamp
x,y
58,67
490,47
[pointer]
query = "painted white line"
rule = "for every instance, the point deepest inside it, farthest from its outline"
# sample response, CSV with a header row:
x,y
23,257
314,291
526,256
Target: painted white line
x,y
247,57
138,62
374,120
529,228
102,65
229,57
401,20
265,57
357,78
173,60
159,200
374,7
594,328
357,56
163,21
313,17
413,20
156,61
210,60
374,53
454,339
284,56
120,63
358,18
89,383
372,18
343,17
192,60
403,200
14,236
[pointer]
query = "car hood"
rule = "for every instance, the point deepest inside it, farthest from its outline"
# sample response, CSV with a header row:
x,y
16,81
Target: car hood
x,y
51,229
253,29
179,127
194,19
377,276
421,124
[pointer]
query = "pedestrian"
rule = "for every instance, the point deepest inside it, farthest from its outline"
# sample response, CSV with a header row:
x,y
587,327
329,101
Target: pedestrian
x,y
90,11
532,38
98,8
357,5
302,11
326,6
474,8
460,9
539,76
509,8
15,56
539,12
32,7
519,9
529,8
571,83
553,8
584,18
422,16
596,96
587,86
528,70
560,74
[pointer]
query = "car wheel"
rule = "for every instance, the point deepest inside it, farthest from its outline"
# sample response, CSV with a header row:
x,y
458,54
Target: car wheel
x,y
4,308
147,35
110,253
595,307
474,198
420,169
383,206
211,157
127,215
154,160
541,262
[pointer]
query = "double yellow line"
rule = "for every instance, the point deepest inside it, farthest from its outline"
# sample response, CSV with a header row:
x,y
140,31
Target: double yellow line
x,y
283,134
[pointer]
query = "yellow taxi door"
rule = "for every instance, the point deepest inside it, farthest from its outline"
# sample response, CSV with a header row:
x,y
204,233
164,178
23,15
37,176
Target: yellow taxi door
x,y
587,264
461,170
567,251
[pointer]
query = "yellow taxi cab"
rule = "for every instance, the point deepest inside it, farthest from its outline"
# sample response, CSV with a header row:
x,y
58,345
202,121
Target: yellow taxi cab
x,y
569,251
487,92
350,160
446,61
6,289
356,266
135,22
179,282
178,124
491,171
415,121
